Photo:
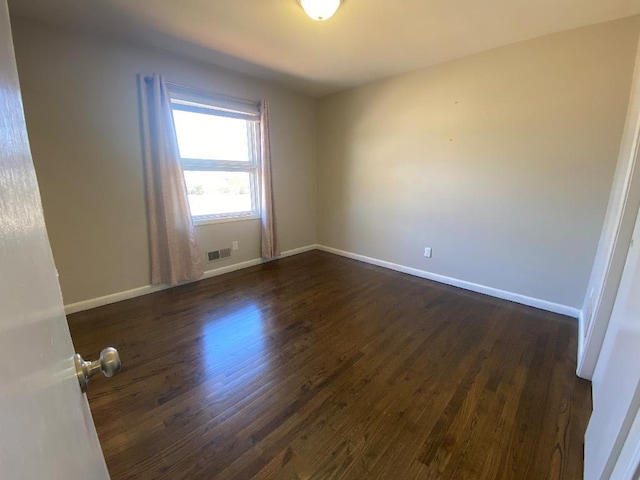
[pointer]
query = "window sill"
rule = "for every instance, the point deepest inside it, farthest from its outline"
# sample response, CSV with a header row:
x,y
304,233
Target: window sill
x,y
211,221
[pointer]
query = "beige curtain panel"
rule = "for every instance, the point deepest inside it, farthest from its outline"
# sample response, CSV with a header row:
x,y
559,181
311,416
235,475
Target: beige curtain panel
x,y
175,256
270,248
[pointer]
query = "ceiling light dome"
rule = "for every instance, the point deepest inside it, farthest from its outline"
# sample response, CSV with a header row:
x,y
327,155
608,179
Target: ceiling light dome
x,y
320,9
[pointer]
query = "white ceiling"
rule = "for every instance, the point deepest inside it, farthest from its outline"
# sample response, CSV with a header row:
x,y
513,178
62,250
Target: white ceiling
x,y
366,40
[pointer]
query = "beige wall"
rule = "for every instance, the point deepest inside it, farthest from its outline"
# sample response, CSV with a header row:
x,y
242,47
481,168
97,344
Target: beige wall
x,y
502,162
82,113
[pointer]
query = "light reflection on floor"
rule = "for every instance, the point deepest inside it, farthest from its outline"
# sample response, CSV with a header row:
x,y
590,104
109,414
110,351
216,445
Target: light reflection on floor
x,y
232,342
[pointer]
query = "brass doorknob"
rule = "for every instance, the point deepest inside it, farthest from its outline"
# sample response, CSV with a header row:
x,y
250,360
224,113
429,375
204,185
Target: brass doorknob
x,y
108,363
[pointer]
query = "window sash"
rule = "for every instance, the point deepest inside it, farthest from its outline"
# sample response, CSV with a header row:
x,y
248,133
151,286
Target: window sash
x,y
217,165
230,108
186,96
227,112
255,200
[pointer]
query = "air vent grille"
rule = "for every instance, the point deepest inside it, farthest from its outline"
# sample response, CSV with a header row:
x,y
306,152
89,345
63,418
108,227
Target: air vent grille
x,y
218,254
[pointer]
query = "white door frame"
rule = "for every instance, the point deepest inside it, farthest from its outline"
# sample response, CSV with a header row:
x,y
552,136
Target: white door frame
x,y
612,439
615,239
627,466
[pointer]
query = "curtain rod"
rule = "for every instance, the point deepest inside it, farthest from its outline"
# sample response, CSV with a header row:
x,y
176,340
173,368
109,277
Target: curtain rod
x,y
148,79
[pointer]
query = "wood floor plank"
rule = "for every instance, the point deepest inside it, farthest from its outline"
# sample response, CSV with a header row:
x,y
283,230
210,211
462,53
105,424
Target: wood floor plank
x,y
319,367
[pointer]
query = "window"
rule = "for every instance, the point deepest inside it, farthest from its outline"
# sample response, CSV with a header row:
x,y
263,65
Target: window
x,y
219,142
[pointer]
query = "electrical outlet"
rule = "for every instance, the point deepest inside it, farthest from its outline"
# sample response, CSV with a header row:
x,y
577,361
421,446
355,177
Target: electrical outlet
x,y
427,252
234,245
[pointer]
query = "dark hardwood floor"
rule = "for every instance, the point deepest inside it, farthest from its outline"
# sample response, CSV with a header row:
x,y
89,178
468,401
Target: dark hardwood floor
x,y
317,367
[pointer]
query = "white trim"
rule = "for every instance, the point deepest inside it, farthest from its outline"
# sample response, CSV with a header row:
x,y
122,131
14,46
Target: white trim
x,y
633,468
581,320
613,246
474,287
112,298
296,251
147,289
211,221
215,272
627,466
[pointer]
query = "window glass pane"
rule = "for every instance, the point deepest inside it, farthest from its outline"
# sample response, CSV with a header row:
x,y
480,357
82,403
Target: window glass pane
x,y
214,193
209,137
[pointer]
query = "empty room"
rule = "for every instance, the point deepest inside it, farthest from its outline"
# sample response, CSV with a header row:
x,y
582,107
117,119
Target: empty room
x,y
319,239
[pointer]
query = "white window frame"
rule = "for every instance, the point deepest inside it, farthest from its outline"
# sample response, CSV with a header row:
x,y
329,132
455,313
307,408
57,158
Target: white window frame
x,y
190,101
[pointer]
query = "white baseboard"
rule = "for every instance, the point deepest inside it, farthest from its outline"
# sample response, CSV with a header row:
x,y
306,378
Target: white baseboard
x,y
297,251
579,363
147,289
112,298
474,287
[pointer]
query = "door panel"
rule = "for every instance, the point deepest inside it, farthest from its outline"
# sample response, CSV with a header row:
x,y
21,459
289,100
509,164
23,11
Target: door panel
x,y
46,429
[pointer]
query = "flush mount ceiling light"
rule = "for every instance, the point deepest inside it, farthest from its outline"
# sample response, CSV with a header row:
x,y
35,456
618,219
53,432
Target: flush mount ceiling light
x,y
320,9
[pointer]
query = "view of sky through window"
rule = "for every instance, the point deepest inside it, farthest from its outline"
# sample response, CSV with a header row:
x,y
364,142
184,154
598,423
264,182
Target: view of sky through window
x,y
212,138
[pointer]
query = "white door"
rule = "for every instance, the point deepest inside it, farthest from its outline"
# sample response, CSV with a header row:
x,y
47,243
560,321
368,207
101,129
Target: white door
x,y
616,381
46,429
